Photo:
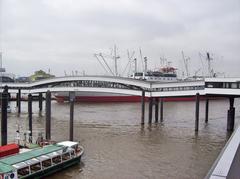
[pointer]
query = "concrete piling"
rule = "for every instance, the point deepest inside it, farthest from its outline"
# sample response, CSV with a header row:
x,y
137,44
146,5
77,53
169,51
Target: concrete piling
x,y
4,102
161,109
206,110
71,99
30,116
40,99
143,107
231,115
150,110
19,101
48,115
197,112
156,109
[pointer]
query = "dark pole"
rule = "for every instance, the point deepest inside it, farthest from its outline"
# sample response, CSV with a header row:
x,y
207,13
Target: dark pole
x,y
156,109
71,99
197,112
150,110
40,98
206,111
48,115
161,110
143,107
231,115
19,101
4,101
30,116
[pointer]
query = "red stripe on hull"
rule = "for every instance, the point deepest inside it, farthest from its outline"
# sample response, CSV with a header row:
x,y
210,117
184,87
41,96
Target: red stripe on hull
x,y
124,98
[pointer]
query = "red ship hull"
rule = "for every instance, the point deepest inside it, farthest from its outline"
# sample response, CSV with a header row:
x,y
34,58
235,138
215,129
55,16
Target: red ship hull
x,y
121,98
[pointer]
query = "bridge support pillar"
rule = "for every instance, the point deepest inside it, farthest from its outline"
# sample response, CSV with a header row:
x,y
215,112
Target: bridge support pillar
x,y
156,109
161,109
19,101
40,99
197,112
231,115
143,107
48,115
71,99
30,116
206,110
150,110
4,102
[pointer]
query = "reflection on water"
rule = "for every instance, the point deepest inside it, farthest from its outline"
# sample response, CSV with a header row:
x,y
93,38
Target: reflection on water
x,y
117,146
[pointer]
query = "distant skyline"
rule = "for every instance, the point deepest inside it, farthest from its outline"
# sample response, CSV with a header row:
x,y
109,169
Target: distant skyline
x,y
63,35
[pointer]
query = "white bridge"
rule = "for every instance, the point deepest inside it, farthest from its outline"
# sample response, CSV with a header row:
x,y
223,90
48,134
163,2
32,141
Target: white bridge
x,y
128,86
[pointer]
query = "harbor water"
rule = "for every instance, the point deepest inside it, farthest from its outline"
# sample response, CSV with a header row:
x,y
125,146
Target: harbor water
x,y
117,146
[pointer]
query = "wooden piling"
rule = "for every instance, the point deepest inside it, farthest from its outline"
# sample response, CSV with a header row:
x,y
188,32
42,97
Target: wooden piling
x,y
206,110
197,112
4,105
48,115
156,109
30,116
150,110
143,107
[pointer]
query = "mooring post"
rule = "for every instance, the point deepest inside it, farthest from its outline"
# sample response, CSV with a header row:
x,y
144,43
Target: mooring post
x,y
30,116
40,99
197,112
16,100
48,115
161,109
150,110
19,101
143,107
71,99
156,109
231,115
206,110
4,102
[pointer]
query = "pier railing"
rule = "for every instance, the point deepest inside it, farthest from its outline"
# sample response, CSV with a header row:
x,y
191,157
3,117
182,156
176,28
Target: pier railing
x,y
227,163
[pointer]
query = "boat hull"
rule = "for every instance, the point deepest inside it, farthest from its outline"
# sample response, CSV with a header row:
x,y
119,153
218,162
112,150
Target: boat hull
x,y
107,97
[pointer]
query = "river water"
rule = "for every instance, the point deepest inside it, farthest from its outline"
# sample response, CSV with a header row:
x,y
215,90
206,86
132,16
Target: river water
x,y
117,146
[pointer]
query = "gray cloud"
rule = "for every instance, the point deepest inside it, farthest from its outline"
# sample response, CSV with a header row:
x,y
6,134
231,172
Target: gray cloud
x,y
64,34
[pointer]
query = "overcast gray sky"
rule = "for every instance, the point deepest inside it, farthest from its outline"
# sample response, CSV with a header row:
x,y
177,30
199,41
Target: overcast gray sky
x,y
64,34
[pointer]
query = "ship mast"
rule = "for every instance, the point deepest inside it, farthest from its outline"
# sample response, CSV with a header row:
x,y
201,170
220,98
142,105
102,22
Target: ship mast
x,y
186,60
210,71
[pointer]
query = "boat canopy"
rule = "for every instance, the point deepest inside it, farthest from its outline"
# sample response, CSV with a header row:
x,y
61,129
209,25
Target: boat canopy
x,y
4,168
31,154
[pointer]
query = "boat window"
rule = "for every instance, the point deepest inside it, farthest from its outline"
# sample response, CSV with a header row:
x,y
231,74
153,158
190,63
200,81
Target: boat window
x,y
56,159
66,156
72,153
35,167
46,163
23,171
